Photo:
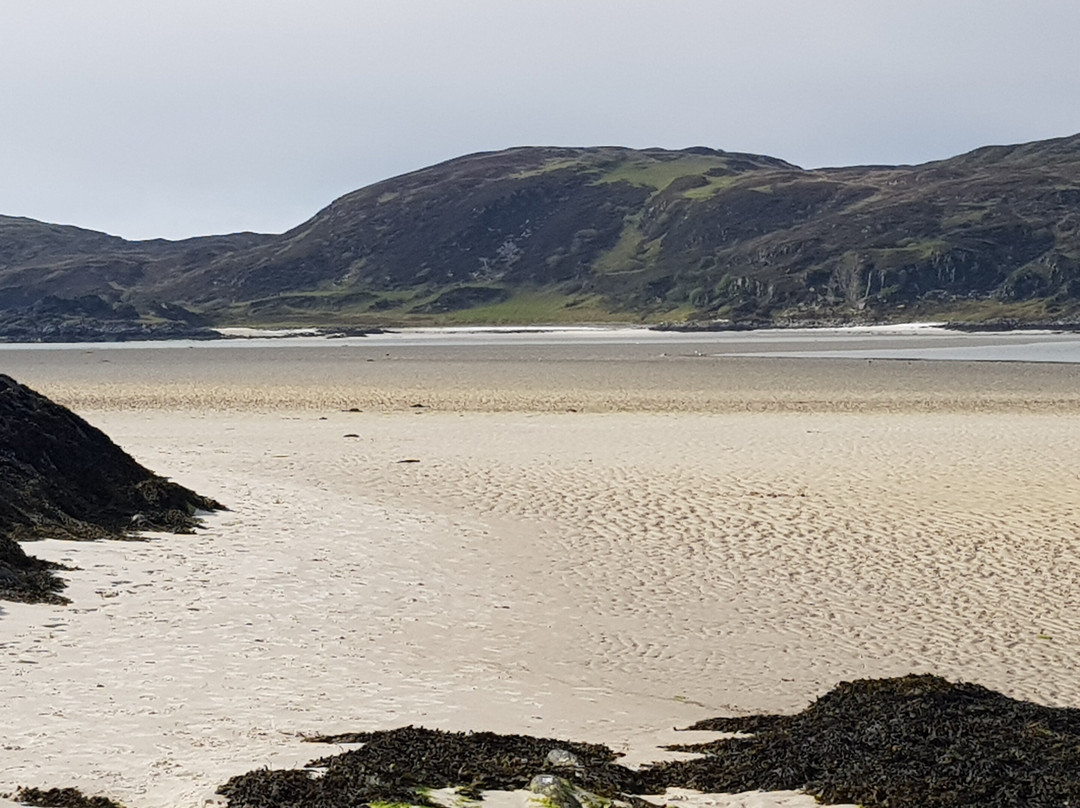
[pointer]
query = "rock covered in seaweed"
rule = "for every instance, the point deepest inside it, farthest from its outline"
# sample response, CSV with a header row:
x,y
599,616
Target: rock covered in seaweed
x,y
558,792
60,477
26,578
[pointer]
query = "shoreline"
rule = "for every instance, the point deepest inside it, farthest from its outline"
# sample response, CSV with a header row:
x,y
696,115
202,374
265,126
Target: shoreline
x,y
234,336
242,334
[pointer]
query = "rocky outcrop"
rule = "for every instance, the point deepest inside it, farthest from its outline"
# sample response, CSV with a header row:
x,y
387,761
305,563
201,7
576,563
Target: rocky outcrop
x,y
62,478
92,318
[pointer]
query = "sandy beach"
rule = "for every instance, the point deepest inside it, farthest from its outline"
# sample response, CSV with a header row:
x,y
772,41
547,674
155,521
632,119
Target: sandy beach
x,y
598,544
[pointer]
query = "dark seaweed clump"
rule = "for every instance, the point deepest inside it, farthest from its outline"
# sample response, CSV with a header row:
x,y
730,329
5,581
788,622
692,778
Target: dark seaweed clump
x,y
62,478
911,742
397,765
26,578
61,798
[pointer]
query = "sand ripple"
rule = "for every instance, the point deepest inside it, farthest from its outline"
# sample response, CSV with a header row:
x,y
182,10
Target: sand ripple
x,y
592,576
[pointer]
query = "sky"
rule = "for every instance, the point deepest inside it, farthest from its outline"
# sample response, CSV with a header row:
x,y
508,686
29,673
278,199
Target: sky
x,y
176,118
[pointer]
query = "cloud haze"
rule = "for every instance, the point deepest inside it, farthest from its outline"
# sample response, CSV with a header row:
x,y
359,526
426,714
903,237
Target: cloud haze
x,y
171,119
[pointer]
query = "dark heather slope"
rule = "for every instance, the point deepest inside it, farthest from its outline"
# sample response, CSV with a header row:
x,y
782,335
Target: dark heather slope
x,y
540,216
637,234
66,284
60,477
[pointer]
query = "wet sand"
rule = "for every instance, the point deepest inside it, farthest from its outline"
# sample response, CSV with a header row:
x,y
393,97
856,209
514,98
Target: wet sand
x,y
687,374
700,536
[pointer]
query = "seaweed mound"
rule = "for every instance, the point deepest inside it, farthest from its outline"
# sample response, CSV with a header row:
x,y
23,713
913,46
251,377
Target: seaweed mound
x,y
913,742
909,742
60,798
60,477
396,766
25,578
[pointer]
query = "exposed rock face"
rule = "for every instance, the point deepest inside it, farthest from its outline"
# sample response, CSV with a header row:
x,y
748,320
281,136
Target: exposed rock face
x,y
60,477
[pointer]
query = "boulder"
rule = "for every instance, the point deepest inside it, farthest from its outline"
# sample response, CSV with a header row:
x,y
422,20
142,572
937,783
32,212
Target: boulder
x,y
563,759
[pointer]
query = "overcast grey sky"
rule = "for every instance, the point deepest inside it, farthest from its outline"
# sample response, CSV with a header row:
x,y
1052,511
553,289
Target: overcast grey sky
x,y
171,118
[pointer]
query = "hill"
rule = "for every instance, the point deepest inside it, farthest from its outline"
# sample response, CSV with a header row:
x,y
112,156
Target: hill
x,y
539,234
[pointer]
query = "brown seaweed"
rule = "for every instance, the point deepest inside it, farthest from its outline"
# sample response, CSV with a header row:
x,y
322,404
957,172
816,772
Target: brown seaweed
x,y
60,477
918,741
910,742
61,798
399,765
